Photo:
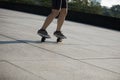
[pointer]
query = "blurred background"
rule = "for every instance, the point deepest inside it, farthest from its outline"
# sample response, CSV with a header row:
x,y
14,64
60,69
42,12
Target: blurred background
x,y
101,7
101,13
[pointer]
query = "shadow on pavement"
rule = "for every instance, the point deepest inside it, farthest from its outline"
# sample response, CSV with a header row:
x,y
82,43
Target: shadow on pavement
x,y
25,41
18,41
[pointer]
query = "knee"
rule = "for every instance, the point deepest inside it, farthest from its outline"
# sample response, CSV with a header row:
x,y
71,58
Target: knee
x,y
63,12
55,12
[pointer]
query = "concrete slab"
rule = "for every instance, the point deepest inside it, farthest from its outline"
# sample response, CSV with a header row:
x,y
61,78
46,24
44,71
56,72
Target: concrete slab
x,y
106,63
10,71
89,52
67,70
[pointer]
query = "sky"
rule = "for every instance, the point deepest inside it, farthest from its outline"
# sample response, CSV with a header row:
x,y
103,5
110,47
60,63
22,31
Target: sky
x,y
109,3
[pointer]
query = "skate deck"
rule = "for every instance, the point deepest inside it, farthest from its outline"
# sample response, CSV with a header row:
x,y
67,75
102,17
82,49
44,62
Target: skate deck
x,y
88,53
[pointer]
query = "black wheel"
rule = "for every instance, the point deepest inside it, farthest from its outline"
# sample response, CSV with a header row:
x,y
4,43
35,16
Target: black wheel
x,y
59,40
43,39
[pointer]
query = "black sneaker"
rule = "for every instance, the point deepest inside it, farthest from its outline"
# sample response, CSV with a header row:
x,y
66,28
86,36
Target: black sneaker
x,y
43,33
59,34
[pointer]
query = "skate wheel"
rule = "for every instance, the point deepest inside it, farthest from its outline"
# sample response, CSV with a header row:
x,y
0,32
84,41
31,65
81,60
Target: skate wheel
x,y
43,39
59,40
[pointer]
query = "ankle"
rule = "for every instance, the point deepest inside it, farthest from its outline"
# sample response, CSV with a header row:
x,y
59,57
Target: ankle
x,y
43,29
57,31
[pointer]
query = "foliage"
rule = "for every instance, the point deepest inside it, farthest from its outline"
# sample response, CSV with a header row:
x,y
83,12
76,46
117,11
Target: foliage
x,y
85,6
46,3
106,11
115,11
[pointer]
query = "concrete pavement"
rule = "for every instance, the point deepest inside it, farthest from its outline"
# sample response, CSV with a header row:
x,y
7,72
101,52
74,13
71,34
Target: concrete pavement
x,y
88,53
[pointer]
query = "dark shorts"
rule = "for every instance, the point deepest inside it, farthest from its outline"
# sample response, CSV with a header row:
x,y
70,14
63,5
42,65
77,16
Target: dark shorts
x,y
57,4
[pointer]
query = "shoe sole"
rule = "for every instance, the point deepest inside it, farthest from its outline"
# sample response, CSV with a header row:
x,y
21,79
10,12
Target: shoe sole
x,y
42,35
61,37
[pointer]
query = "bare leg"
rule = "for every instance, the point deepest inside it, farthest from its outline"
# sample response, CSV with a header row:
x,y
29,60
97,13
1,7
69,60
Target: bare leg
x,y
50,18
61,18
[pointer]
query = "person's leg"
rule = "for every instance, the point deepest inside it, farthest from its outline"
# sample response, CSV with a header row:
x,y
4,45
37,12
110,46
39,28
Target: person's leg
x,y
60,22
61,18
50,18
62,15
56,5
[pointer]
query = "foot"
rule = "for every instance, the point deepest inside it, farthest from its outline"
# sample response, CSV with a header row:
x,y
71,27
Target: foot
x,y
59,34
43,33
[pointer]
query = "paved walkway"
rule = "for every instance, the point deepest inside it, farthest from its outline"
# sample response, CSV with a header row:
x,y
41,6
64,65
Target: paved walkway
x,y
88,53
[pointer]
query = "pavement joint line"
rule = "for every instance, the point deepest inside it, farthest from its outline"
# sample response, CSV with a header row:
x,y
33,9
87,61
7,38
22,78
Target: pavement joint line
x,y
93,45
22,69
79,59
11,42
2,60
100,58
53,52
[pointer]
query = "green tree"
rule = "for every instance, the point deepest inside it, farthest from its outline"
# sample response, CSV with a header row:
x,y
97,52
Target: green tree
x,y
106,11
95,8
46,3
115,11
85,6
